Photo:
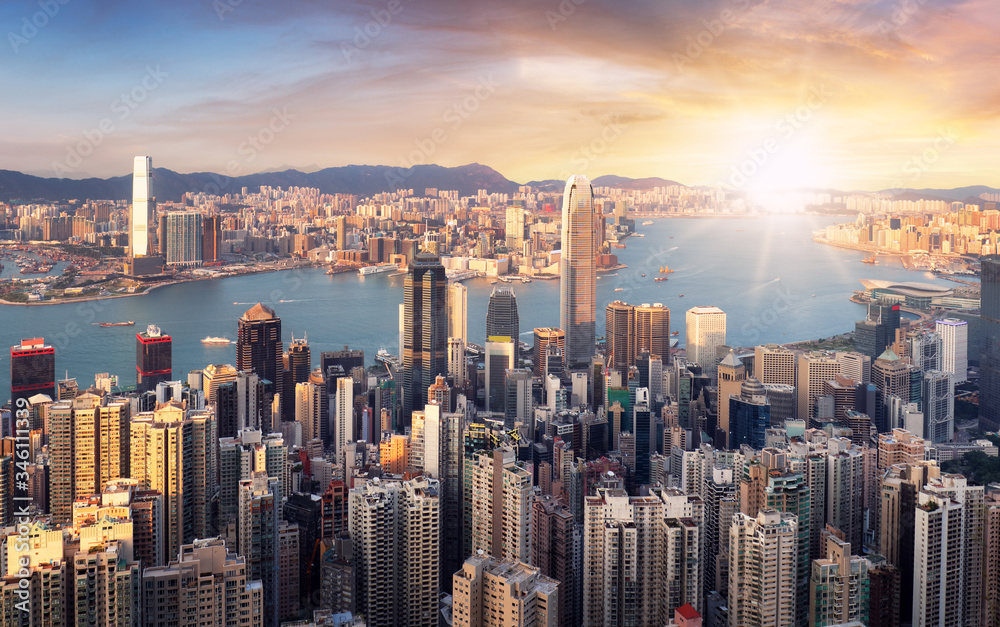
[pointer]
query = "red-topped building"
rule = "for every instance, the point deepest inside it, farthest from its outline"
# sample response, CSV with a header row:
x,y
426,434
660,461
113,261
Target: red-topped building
x,y
153,358
32,371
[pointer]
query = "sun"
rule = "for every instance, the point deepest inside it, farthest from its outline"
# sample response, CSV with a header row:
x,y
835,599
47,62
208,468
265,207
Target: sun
x,y
791,165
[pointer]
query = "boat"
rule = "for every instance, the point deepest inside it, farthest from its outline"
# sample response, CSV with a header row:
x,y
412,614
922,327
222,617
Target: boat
x,y
676,332
647,223
871,260
619,289
525,279
660,279
130,323
680,296
389,267
666,270
643,274
385,357
215,340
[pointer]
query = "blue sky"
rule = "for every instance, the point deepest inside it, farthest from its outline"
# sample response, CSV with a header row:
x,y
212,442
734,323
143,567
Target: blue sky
x,y
534,88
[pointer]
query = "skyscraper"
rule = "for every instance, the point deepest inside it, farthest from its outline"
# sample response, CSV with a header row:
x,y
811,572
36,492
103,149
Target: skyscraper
x,y
774,364
501,314
211,243
763,553
182,233
343,416
458,304
652,330
577,303
501,356
153,360
989,349
514,231
877,331
815,369
425,330
620,334
706,331
489,592
954,335
32,371
257,537
141,214
543,337
258,345
839,587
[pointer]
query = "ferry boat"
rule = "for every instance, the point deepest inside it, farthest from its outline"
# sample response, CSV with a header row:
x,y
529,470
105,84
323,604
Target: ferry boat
x,y
660,279
130,323
367,270
647,223
215,340
619,289
666,270
385,357
871,260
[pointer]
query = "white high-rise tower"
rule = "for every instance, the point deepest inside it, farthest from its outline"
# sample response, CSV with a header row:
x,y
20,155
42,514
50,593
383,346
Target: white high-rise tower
x,y
577,304
139,218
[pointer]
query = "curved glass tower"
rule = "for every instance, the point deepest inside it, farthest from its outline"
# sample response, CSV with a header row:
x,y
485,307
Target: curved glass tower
x,y
577,305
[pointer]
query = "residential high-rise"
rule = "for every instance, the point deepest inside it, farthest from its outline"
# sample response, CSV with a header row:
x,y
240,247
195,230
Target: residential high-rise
x,y
543,337
32,371
948,553
501,314
211,242
839,588
206,585
182,231
490,592
257,537
515,228
258,345
140,214
774,364
705,333
556,548
289,589
991,544
578,276
343,415
763,552
395,533
106,586
498,493
458,306
153,360
954,335
425,330
456,361
620,334
241,458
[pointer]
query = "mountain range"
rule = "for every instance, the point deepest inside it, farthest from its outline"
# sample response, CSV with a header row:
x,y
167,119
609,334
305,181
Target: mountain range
x,y
361,180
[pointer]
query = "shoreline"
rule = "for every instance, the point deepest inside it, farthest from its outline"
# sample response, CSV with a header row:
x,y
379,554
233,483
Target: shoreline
x,y
71,301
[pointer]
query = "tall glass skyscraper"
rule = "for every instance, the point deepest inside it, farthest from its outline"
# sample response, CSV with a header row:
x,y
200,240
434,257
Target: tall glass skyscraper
x,y
139,218
577,305
258,344
989,359
425,331
501,314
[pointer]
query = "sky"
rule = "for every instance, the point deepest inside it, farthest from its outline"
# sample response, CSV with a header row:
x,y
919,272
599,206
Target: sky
x,y
741,94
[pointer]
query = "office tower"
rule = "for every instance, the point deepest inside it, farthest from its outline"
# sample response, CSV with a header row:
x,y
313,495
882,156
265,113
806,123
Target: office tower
x,y
501,356
781,398
814,369
174,451
706,332
620,334
556,548
451,459
652,330
645,442
923,350
545,336
948,553
991,544
497,498
773,364
731,373
395,536
257,537
341,228
749,414
32,371
241,399
518,399
153,360
458,307
211,242
856,366
141,213
489,592
258,345
892,378
88,446
206,585
515,228
839,588
183,236
241,458
300,360
954,336
877,331
348,359
989,347
343,416
578,277
213,376
425,330
501,314
456,361
938,406
763,552
311,401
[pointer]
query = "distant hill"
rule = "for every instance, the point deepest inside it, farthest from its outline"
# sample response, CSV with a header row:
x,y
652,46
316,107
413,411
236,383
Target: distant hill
x,y
363,180
958,193
623,182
